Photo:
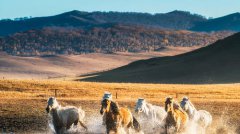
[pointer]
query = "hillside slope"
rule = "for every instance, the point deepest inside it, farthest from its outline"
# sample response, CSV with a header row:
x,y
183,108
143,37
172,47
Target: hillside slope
x,y
43,67
216,63
228,22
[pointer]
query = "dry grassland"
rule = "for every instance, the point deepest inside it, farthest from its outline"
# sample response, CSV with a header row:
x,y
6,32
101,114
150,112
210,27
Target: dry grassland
x,y
22,102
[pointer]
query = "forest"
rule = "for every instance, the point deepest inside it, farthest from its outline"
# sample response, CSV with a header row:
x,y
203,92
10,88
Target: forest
x,y
118,38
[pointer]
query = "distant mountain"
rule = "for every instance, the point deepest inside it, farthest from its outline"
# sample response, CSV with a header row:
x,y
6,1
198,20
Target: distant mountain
x,y
177,20
116,38
79,32
229,22
70,19
86,20
173,20
216,63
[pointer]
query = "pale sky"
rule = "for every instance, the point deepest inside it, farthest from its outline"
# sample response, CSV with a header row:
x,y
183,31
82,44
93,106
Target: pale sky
x,y
35,8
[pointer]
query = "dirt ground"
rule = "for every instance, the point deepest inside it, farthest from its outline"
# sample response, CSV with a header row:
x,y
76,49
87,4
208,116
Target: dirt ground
x,y
35,120
22,103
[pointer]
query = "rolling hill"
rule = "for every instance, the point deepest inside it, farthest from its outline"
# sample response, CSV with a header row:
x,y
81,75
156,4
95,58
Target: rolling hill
x,y
177,20
88,20
229,22
44,67
77,32
216,63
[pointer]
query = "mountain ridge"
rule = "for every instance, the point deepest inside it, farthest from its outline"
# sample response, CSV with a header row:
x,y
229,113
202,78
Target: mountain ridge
x,y
177,20
91,19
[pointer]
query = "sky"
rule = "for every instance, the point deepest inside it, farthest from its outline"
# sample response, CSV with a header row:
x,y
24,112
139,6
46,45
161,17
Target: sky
x,y
36,8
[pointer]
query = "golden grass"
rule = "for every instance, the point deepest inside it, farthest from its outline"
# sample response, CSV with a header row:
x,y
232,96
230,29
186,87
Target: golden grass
x,y
35,89
25,100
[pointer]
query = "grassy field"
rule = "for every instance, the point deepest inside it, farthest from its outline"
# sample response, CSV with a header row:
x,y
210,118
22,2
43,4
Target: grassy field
x,y
22,102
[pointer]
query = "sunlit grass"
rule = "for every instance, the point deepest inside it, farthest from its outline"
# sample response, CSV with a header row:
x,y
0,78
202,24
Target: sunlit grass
x,y
26,99
92,90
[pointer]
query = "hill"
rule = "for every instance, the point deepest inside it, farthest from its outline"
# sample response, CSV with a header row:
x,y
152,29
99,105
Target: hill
x,y
43,67
86,20
229,22
79,32
216,63
118,38
177,20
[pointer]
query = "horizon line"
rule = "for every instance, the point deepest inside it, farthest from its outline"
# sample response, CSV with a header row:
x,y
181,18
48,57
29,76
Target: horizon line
x,y
192,13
